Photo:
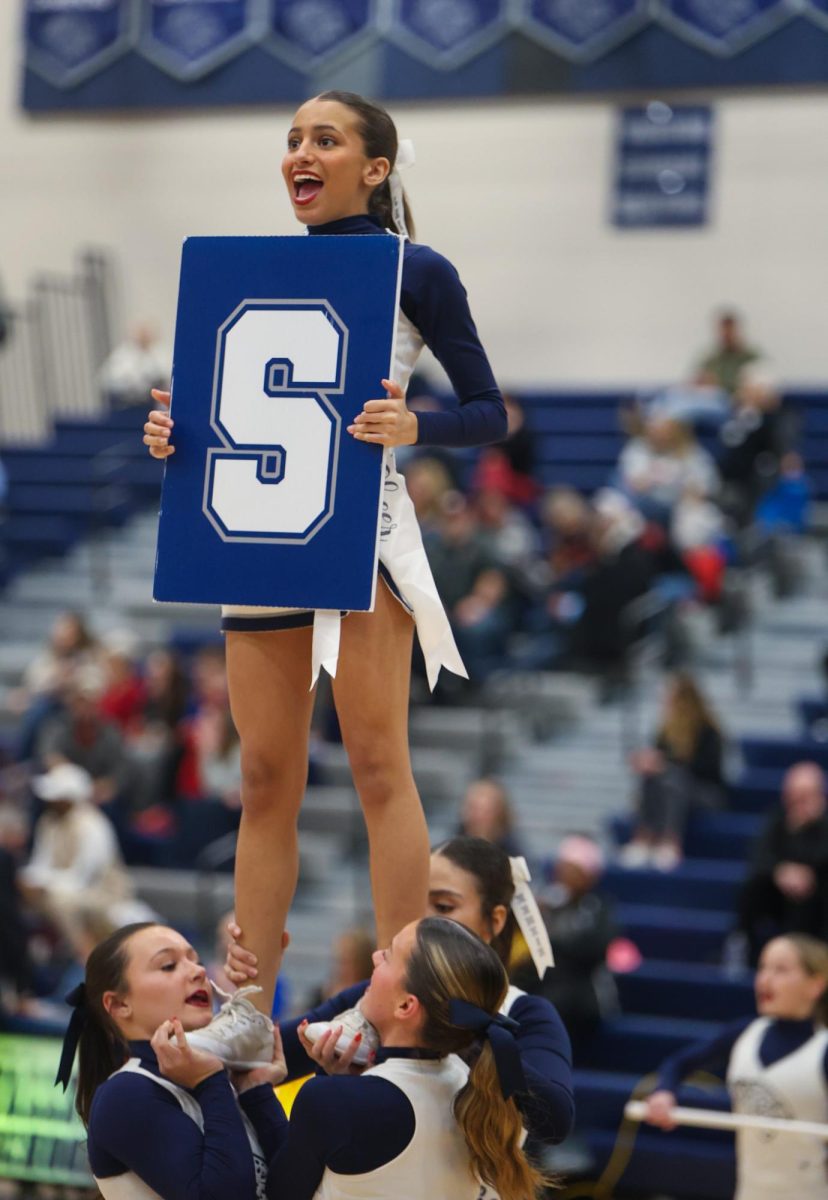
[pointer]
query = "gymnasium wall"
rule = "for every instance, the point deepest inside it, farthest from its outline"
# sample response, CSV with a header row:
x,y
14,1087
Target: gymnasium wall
x,y
516,193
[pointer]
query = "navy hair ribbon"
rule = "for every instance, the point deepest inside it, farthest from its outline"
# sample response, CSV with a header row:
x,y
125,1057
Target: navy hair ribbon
x,y
77,999
499,1032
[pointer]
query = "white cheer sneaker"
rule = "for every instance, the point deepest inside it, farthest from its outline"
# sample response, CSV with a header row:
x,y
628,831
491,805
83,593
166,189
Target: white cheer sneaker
x,y
238,1034
352,1022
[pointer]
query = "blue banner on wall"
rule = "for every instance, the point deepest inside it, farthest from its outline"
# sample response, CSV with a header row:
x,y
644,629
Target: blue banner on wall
x,y
69,40
662,174
582,30
446,33
307,33
97,54
268,500
190,38
725,26
817,10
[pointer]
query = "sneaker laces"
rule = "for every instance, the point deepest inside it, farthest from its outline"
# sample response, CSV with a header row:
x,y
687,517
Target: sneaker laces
x,y
229,1013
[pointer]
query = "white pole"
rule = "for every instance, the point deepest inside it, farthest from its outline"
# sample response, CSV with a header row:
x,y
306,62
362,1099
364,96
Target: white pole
x,y
705,1118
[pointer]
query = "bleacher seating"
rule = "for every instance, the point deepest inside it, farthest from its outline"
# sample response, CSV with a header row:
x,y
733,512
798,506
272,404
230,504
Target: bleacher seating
x,y
105,472
92,474
580,437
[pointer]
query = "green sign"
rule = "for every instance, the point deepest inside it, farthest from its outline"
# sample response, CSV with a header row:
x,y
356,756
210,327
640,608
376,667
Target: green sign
x,y
41,1137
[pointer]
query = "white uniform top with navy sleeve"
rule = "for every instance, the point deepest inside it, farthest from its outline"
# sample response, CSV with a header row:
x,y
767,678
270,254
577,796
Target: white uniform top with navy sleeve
x,y
434,312
547,1107
435,1163
149,1138
775,1166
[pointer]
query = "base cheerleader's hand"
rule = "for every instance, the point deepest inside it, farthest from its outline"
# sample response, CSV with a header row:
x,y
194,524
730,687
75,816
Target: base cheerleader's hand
x,y
240,965
158,427
387,422
323,1051
273,1075
178,1060
659,1106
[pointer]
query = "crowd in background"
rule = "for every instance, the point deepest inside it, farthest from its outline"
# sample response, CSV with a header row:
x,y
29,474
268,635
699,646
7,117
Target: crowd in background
x,y
127,757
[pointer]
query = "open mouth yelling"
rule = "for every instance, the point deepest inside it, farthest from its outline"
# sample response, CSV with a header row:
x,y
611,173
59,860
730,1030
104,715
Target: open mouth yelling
x,y
199,999
306,188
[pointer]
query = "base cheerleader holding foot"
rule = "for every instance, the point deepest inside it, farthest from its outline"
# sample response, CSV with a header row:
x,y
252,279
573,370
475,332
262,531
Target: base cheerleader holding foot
x,y
419,1123
164,1119
476,883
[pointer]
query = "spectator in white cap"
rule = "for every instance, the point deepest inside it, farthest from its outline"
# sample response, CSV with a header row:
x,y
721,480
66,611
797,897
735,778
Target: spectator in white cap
x,y
75,871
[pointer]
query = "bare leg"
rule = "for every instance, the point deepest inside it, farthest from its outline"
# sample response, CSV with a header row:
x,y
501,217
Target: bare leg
x,y
371,695
268,676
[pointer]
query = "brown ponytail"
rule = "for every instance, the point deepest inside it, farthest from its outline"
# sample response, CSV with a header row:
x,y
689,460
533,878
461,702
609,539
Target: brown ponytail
x,y
493,1130
102,1048
448,962
379,138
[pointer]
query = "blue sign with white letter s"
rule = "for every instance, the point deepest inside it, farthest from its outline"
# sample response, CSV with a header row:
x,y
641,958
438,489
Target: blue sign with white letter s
x,y
268,499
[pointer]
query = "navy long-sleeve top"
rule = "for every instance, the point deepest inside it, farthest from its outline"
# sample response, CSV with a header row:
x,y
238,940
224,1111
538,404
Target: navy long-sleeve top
x,y
547,1108
780,1039
435,301
137,1126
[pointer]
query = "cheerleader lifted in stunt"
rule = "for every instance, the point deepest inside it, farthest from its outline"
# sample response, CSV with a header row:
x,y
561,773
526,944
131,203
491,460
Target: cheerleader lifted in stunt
x,y
340,169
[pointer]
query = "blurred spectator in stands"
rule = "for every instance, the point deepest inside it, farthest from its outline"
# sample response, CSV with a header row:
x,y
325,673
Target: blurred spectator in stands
x,y
787,887
351,963
133,367
219,756
209,703
581,927
752,441
80,734
473,586
510,466
698,533
208,784
621,573
695,404
785,508
782,516
75,867
656,469
569,536
70,645
568,520
16,973
209,678
124,692
157,744
427,481
487,813
512,540
730,353
682,770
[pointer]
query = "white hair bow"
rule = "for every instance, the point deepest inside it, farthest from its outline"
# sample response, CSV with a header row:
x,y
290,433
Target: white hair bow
x,y
528,917
405,158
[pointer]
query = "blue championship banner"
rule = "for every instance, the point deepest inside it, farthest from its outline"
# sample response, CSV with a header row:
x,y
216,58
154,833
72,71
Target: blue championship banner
x,y
582,32
189,38
69,40
268,500
725,27
663,165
